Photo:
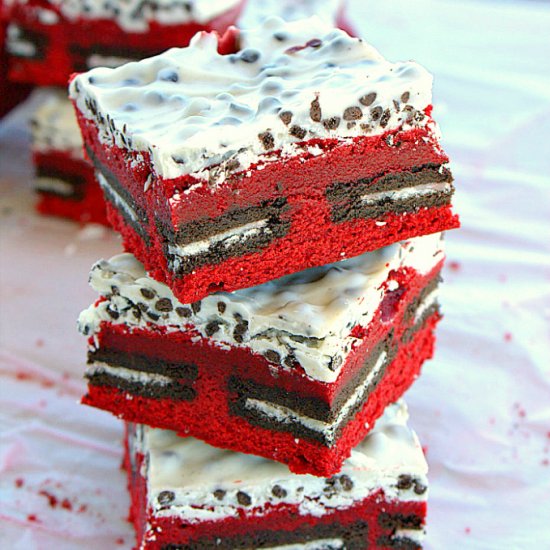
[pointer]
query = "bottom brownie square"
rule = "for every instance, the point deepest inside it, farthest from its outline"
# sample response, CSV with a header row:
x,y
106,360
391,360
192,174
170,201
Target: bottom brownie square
x,y
188,495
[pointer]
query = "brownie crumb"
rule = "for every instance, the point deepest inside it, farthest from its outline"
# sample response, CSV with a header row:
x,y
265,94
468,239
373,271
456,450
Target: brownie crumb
x,y
368,99
219,494
405,96
196,307
147,293
153,316
315,110
272,356
166,497
212,327
298,131
183,311
376,113
244,499
404,481
286,117
267,140
240,330
346,482
278,491
164,305
353,113
419,488
222,306
331,123
351,125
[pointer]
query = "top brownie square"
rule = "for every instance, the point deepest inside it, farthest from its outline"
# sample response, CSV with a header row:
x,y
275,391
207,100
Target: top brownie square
x,y
237,160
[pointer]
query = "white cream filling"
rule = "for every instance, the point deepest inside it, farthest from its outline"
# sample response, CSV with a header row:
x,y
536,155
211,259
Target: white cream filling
x,y
286,415
53,184
426,304
408,192
321,544
416,535
145,378
243,232
120,202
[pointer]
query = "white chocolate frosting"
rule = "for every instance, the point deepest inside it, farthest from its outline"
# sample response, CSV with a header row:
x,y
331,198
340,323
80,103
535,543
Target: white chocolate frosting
x,y
187,474
192,109
135,15
308,315
54,126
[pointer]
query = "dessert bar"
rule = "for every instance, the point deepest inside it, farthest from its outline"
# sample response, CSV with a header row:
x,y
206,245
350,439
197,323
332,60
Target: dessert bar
x,y
296,370
229,163
186,494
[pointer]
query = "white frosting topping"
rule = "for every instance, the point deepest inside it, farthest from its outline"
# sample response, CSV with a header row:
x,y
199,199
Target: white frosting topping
x,y
192,472
54,126
192,109
135,15
307,315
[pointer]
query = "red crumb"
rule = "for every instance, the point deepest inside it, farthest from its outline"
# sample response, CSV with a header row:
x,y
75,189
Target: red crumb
x,y
425,450
548,434
19,483
39,343
492,420
52,499
32,517
454,266
120,540
29,376
507,336
503,278
66,376
467,530
66,503
545,462
82,508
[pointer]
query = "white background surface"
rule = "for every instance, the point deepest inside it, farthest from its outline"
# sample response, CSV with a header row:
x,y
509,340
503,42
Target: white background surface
x,y
482,406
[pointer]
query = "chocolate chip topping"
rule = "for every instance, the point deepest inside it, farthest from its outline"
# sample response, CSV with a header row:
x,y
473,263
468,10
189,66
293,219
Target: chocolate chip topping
x,y
249,55
331,123
315,110
164,305
404,481
222,306
183,311
219,494
298,131
196,307
166,497
385,118
267,140
244,499
368,99
419,488
153,316
147,293
212,327
346,482
278,491
272,356
405,96
376,113
353,113
112,313
286,117
239,331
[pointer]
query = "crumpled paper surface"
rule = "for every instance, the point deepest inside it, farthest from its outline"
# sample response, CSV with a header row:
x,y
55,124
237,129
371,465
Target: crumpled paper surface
x,y
482,406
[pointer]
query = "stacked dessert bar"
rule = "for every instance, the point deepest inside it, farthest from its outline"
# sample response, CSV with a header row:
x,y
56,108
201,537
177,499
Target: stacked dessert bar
x,y
281,194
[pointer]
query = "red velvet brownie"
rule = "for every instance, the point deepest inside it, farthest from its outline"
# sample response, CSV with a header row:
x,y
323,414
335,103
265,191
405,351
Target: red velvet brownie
x,y
299,147
64,180
296,370
50,39
186,494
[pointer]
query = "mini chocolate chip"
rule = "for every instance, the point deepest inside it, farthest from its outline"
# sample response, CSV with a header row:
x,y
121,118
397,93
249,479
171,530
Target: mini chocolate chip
x,y
273,356
351,125
404,481
396,105
183,311
147,293
419,488
331,123
164,305
278,491
267,140
376,113
232,165
112,313
212,327
405,96
219,494
166,497
168,76
368,100
239,331
143,307
289,361
315,110
244,499
419,116
385,118
286,117
353,113
365,127
314,43
222,306
346,482
298,132
280,36
114,290
137,312
196,307
153,316
249,56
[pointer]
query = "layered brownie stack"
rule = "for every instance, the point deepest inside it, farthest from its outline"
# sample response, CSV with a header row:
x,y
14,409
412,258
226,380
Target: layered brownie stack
x,y
281,194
